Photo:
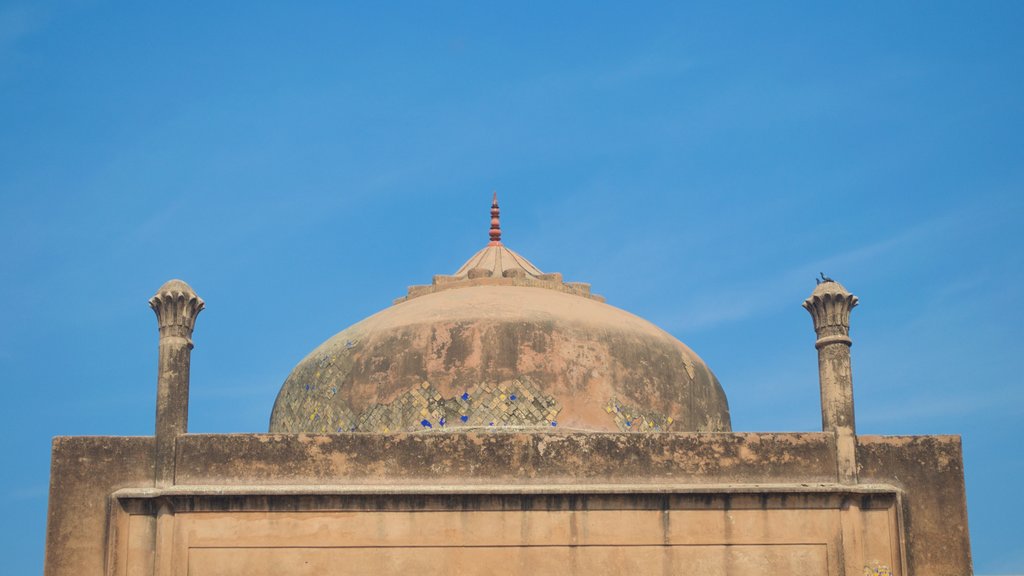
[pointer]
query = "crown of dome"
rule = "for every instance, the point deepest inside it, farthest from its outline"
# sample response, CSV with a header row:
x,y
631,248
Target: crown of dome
x,y
497,262
499,345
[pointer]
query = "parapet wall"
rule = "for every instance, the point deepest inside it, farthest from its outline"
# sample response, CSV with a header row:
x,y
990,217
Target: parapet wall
x,y
620,493
504,458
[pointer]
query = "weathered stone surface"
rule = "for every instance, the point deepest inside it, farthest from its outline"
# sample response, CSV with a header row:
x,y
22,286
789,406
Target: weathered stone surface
x,y
84,471
176,306
495,458
929,469
772,532
586,355
496,390
925,471
830,305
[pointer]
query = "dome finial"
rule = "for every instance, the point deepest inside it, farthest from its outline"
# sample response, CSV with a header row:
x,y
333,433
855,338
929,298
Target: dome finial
x,y
495,222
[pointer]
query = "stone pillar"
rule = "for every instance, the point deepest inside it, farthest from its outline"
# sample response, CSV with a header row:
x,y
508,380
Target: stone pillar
x,y
176,306
830,305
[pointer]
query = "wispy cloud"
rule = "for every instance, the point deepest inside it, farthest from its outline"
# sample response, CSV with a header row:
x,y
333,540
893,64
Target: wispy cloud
x,y
18,22
770,293
932,408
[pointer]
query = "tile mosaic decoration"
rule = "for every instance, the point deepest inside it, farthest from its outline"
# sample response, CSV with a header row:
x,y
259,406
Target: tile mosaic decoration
x,y
632,419
517,403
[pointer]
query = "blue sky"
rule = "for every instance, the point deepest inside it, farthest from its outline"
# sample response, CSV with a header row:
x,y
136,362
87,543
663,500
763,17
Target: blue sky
x,y
699,165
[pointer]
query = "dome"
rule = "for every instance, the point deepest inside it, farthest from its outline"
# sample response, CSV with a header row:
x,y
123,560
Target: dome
x,y
501,345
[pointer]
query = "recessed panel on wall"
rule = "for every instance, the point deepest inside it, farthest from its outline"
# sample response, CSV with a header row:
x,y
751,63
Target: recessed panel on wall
x,y
477,535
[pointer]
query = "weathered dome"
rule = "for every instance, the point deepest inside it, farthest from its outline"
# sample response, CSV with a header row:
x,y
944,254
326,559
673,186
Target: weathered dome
x,y
501,344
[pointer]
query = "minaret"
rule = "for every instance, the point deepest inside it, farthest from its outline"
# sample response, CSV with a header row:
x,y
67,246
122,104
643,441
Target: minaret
x,y
830,305
176,306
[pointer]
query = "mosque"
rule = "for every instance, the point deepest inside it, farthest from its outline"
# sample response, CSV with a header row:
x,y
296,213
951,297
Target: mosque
x,y
504,421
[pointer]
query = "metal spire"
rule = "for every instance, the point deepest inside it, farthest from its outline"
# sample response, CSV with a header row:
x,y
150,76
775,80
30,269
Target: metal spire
x,y
495,222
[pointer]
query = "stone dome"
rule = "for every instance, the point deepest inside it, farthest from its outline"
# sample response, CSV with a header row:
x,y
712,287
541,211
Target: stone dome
x,y
501,345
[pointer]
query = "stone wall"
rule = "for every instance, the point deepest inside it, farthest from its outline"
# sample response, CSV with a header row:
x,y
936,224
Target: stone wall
x,y
84,472
780,488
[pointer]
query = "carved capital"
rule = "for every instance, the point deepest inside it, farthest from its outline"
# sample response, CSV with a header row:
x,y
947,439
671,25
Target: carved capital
x,y
176,306
830,305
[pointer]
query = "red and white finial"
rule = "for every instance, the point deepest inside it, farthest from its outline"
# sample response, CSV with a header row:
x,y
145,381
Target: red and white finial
x,y
495,223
